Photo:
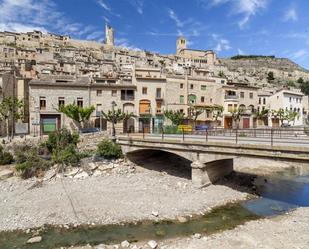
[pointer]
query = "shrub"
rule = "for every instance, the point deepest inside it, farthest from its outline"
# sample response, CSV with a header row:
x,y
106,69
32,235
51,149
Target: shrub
x,y
60,139
31,164
5,157
66,156
109,150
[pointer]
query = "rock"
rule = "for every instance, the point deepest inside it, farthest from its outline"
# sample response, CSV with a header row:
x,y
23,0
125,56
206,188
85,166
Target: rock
x,y
33,240
182,219
5,174
106,167
101,246
153,244
155,214
97,173
81,175
92,166
125,244
50,174
72,173
197,236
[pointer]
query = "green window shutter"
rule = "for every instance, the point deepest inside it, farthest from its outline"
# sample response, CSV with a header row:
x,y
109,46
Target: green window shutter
x,y
181,99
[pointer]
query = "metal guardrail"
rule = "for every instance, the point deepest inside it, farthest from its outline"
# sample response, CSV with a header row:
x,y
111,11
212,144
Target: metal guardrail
x,y
267,136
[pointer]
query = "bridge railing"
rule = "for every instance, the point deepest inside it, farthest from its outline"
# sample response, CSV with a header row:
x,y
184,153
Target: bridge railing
x,y
268,136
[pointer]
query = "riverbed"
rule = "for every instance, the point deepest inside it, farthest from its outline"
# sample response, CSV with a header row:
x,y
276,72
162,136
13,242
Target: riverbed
x,y
148,195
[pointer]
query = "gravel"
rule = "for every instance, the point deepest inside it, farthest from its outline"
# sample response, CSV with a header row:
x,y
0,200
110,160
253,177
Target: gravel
x,y
106,199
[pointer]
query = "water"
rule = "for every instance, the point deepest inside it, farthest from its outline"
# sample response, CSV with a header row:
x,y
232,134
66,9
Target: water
x,y
279,193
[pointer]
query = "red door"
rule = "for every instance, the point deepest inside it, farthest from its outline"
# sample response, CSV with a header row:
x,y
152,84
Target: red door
x,y
246,123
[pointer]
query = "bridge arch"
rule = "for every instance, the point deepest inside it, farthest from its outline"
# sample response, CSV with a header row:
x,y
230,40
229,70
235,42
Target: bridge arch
x,y
173,163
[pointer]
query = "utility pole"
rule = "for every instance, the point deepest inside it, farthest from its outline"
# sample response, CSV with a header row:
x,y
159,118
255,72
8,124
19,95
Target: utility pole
x,y
113,122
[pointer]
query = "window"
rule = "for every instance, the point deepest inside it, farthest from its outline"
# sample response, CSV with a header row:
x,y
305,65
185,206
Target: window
x,y
144,90
114,93
42,103
181,85
202,99
181,99
251,95
210,100
264,101
99,108
290,99
203,87
80,102
191,86
260,101
230,108
181,110
242,95
158,93
99,92
61,102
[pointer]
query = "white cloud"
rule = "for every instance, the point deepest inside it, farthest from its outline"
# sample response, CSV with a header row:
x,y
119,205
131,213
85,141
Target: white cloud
x,y
29,15
175,18
222,44
240,52
245,8
125,43
299,54
291,14
138,5
104,5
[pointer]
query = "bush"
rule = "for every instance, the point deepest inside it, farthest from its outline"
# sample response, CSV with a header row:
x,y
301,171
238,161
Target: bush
x,y
5,157
60,139
30,164
66,156
109,150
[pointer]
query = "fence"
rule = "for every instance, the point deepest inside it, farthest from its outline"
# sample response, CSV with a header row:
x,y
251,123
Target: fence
x,y
269,136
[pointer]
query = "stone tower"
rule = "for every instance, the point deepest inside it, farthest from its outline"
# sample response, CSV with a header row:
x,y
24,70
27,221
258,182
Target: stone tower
x,y
109,36
181,44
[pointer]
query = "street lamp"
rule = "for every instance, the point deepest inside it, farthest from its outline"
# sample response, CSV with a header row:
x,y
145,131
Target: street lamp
x,y
113,122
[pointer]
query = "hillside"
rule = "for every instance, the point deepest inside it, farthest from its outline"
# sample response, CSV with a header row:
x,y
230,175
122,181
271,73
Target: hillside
x,y
256,68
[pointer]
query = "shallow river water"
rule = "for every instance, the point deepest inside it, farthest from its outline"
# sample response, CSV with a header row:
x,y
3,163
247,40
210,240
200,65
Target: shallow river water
x,y
279,194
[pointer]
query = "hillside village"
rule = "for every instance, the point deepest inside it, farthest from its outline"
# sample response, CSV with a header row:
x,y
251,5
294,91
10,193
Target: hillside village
x,y
49,70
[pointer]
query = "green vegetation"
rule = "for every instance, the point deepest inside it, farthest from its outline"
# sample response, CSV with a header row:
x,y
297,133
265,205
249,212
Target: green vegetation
x,y
11,110
304,86
291,83
240,57
285,115
176,117
116,116
270,76
78,114
30,164
109,150
5,157
221,74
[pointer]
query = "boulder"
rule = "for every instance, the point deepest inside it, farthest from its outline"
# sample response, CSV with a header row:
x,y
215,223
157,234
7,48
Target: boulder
x,y
33,240
125,244
182,219
5,174
153,244
81,175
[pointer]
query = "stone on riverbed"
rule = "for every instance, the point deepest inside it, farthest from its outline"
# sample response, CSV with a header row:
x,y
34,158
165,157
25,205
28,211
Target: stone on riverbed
x,y
33,240
153,244
125,244
5,174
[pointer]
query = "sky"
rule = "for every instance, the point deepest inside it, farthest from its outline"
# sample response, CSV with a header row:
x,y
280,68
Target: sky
x,y
229,27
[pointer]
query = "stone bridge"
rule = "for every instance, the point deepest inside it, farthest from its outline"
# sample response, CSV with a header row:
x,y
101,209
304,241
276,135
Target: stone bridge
x,y
213,160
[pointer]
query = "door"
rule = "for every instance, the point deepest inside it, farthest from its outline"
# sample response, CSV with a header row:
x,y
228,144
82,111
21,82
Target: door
x,y
275,122
246,123
228,123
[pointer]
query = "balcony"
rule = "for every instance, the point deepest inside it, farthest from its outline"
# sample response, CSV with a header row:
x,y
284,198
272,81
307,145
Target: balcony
x,y
127,98
145,111
159,97
231,97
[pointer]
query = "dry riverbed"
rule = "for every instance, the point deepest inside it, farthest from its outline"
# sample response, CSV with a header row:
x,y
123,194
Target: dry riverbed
x,y
116,195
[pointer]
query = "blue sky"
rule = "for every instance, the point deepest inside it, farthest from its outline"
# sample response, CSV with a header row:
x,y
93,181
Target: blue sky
x,y
230,27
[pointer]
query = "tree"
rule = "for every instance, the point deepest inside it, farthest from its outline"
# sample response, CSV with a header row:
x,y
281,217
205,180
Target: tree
x,y
262,115
300,80
195,113
285,115
78,114
270,76
176,117
11,109
217,113
221,74
114,117
117,116
236,115
305,88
